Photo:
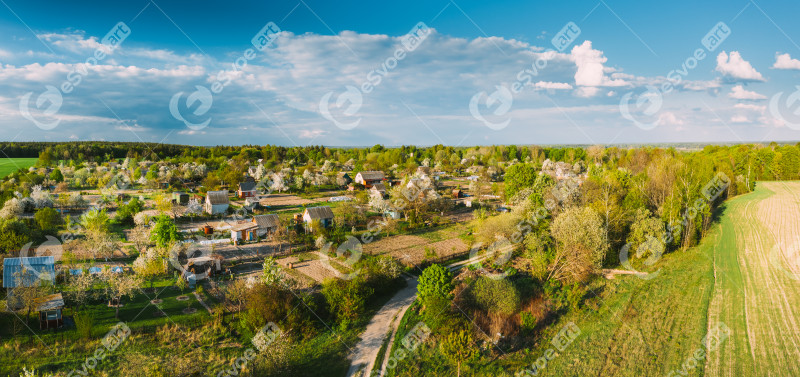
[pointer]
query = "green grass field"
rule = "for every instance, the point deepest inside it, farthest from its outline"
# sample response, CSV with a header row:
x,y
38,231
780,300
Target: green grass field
x,y
10,165
736,277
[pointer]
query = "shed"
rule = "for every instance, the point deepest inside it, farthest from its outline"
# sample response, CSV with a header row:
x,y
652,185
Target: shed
x,y
217,202
266,224
180,198
244,231
322,214
378,189
49,308
27,270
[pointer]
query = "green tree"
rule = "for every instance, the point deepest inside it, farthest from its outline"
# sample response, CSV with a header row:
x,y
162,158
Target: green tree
x,y
48,219
582,243
56,176
458,347
165,232
518,177
435,282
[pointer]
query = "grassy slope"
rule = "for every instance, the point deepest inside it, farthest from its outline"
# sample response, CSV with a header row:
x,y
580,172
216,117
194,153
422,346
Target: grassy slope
x,y
10,165
651,327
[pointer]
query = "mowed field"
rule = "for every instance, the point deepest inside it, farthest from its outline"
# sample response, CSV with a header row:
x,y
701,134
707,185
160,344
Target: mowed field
x,y
743,278
10,165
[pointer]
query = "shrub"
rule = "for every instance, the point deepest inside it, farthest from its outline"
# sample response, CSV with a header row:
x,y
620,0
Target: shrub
x,y
84,322
495,296
435,281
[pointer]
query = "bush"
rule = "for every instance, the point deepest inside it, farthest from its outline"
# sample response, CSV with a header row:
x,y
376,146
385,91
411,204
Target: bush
x,y
435,281
527,322
84,322
495,296
346,299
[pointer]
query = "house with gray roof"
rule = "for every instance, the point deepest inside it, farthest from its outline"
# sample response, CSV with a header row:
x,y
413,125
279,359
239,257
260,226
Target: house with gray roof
x,y
217,202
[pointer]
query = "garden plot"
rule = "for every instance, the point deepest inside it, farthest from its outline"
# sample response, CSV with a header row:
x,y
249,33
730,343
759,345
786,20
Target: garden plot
x,y
411,250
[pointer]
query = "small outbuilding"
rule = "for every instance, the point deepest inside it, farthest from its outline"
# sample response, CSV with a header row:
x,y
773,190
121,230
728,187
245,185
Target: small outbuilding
x,y
267,224
49,308
246,231
322,214
27,271
378,190
217,202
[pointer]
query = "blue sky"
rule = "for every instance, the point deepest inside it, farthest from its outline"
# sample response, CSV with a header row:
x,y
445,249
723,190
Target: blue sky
x,y
345,73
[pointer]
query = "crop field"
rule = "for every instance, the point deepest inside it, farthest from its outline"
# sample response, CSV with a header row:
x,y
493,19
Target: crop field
x,y
10,165
741,284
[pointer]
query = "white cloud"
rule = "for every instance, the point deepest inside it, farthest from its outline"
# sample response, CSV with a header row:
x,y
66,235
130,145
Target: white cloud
x,y
735,67
785,61
750,106
739,119
591,72
552,85
670,118
739,92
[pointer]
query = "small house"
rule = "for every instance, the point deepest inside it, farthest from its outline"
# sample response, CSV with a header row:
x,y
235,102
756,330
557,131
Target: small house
x,y
244,231
378,190
369,178
181,198
27,271
217,202
343,179
322,214
267,224
247,189
49,309
457,194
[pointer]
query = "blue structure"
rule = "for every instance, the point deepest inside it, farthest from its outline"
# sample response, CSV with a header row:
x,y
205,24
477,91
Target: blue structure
x,y
27,270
